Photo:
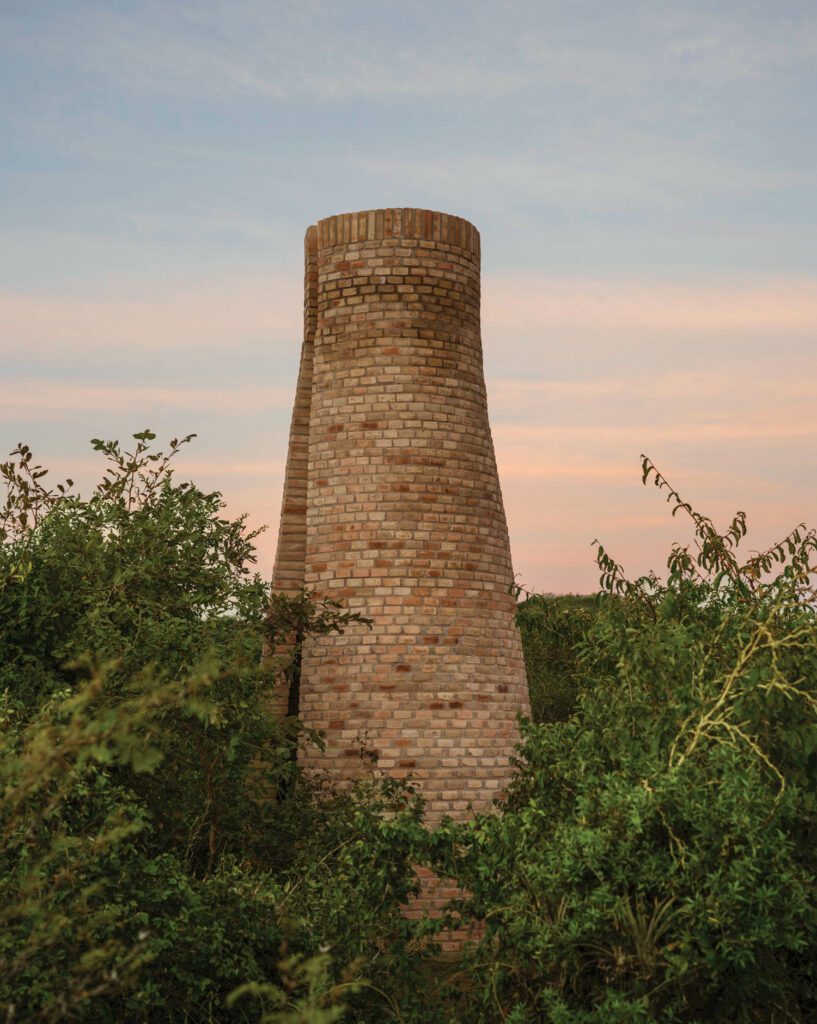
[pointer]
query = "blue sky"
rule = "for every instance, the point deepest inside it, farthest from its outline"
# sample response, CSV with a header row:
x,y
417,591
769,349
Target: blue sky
x,y
644,177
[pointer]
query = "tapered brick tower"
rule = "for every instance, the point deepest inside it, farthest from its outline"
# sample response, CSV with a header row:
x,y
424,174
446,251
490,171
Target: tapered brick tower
x,y
392,505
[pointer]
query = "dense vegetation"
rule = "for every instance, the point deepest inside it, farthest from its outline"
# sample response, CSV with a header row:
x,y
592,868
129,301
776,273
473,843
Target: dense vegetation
x,y
164,860
552,628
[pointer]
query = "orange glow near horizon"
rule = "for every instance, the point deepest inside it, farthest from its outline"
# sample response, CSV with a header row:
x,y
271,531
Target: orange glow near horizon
x,y
713,379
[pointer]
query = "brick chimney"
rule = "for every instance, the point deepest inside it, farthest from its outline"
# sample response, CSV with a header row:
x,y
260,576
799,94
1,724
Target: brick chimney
x,y
392,505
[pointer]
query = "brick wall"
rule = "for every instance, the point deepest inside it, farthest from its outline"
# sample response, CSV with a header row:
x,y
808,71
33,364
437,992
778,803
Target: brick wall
x,y
392,505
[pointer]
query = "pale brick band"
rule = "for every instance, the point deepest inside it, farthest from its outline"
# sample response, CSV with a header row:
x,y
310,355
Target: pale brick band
x,y
392,505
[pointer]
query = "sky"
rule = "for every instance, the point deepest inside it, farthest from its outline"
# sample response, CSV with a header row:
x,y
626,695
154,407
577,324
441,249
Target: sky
x,y
643,176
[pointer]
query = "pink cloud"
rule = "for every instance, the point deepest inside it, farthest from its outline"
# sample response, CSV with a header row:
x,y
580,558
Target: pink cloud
x,y
268,469
535,469
197,313
534,303
553,552
749,430
567,448
219,310
788,382
36,400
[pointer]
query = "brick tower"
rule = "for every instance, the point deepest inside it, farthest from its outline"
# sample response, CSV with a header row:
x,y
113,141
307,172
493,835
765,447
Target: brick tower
x,y
392,505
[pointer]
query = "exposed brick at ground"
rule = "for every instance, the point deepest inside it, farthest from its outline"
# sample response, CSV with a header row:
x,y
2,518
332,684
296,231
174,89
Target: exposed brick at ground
x,y
392,503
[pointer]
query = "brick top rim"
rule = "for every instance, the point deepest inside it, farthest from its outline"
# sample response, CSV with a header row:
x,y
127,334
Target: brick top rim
x,y
397,224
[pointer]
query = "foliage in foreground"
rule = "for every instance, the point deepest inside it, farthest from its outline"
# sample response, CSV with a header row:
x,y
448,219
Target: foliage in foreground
x,y
655,857
552,628
163,859
159,848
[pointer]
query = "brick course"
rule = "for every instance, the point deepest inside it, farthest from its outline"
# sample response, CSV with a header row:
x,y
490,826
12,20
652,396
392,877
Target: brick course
x,y
392,505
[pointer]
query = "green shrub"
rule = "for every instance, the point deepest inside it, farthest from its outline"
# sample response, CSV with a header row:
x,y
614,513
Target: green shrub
x,y
145,572
160,847
655,857
163,859
552,628
100,921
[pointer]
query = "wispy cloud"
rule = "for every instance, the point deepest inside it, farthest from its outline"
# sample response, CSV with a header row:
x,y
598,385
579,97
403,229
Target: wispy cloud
x,y
34,400
275,55
526,303
512,467
269,470
684,432
206,312
220,311
150,142
710,46
352,51
753,401
613,172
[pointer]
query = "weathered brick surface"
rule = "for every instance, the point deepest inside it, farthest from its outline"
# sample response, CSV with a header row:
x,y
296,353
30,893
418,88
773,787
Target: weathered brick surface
x,y
288,573
290,558
392,505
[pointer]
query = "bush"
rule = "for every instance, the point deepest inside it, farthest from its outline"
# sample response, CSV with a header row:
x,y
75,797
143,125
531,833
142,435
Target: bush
x,y
160,848
654,859
146,571
163,859
552,628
